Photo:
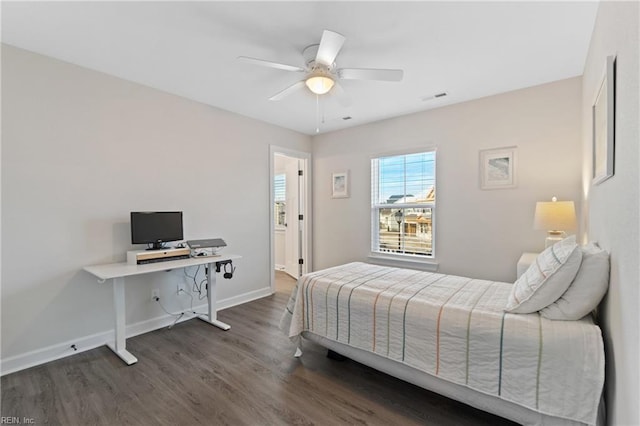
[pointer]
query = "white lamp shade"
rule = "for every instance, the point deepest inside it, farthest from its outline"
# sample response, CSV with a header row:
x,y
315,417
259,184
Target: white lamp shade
x,y
319,84
555,216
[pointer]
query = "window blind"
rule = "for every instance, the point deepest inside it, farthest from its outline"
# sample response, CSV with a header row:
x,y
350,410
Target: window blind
x,y
403,204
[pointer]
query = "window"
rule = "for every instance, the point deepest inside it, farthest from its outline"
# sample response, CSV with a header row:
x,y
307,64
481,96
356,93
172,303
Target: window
x,y
279,197
403,204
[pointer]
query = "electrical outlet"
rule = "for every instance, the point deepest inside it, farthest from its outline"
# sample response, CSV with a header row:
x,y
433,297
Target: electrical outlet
x,y
180,289
155,294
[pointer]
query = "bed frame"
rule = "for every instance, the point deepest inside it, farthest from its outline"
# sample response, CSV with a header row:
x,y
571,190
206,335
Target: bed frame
x,y
463,394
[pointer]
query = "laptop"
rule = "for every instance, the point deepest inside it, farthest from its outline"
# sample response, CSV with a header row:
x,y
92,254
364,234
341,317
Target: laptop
x,y
212,242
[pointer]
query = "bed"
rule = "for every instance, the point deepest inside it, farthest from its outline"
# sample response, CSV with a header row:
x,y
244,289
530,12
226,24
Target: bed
x,y
451,335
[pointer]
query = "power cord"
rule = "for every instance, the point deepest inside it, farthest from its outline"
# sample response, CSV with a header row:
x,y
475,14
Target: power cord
x,y
188,293
178,316
201,286
197,286
191,304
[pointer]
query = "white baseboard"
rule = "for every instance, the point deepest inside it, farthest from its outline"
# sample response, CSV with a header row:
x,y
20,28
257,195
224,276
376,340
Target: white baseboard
x,y
53,352
243,298
64,349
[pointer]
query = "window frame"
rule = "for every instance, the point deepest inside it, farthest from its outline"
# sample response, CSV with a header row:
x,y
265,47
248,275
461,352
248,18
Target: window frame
x,y
375,252
277,200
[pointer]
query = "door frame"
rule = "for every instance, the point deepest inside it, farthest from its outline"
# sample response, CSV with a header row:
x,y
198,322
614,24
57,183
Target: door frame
x,y
305,195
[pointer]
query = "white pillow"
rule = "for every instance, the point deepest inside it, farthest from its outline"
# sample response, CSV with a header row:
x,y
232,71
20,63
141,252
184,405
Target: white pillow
x,y
587,289
547,278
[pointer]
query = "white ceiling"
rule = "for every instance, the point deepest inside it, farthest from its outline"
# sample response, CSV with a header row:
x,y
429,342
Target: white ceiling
x,y
468,49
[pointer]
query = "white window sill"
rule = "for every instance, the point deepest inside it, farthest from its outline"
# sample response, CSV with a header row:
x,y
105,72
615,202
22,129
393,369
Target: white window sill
x,y
424,264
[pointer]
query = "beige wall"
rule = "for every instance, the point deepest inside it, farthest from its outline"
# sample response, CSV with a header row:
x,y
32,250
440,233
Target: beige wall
x,y
612,207
80,150
479,233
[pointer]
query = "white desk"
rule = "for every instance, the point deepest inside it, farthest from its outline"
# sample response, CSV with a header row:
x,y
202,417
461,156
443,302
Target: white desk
x,y
118,271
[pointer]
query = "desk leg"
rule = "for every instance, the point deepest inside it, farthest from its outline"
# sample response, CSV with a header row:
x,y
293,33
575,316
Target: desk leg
x,y
119,346
211,316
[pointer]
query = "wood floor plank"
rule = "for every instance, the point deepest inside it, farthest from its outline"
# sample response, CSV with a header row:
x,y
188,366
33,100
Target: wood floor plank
x,y
197,374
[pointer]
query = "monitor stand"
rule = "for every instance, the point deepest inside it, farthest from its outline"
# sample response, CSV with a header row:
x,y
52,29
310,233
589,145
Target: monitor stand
x,y
156,246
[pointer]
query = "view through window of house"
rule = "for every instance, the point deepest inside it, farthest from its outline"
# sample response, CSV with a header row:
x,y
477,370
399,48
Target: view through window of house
x,y
403,203
280,196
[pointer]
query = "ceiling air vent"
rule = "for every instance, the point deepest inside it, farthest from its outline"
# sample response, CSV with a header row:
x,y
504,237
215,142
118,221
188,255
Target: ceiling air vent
x,y
436,96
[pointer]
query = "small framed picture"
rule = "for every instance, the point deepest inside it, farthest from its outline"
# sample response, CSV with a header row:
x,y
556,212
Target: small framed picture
x,y
603,122
340,185
498,168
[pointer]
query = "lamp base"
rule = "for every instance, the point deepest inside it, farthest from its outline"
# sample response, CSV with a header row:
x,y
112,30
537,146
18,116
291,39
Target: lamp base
x,y
553,237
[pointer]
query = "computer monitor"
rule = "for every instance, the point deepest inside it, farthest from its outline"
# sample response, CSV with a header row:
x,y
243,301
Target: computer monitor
x,y
155,228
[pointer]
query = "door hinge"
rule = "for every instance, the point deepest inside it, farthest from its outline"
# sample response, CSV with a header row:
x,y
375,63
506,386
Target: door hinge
x,y
300,217
300,261
300,172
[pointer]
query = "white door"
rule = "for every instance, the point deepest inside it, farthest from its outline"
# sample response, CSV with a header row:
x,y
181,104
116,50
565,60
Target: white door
x,y
295,250
292,230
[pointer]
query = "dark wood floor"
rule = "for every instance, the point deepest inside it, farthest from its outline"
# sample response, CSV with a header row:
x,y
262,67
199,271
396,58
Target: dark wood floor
x,y
196,374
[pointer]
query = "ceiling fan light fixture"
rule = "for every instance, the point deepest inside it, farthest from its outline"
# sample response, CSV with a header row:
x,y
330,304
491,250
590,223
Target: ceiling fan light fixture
x,y
319,84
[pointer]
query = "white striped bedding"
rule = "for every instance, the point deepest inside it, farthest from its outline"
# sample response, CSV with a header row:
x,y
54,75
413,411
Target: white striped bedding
x,y
455,328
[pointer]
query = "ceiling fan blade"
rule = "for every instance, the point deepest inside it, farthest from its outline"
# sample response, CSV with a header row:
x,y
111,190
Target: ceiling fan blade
x,y
341,95
269,64
286,92
329,47
370,74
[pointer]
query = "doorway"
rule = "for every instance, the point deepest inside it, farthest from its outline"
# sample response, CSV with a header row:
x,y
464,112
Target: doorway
x,y
290,186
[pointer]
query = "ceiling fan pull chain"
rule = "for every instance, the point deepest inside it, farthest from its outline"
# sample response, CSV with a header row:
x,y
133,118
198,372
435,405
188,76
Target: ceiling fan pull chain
x,y
317,113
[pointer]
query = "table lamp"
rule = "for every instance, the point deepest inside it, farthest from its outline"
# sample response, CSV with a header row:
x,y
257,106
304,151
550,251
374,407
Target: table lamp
x,y
554,217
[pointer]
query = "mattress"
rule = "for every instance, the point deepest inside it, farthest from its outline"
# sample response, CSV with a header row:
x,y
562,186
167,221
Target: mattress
x,y
455,328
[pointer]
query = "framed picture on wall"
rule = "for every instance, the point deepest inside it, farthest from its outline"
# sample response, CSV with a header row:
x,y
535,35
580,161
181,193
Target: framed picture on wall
x,y
498,168
603,114
340,185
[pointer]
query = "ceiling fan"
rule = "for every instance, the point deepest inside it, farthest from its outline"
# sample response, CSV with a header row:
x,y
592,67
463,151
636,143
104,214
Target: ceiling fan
x,y
321,73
